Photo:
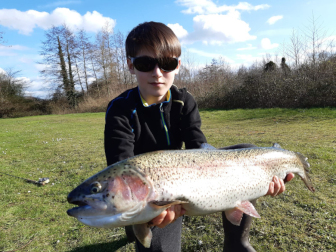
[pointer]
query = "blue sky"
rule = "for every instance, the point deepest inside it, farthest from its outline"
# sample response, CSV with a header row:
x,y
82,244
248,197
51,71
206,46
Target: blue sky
x,y
239,32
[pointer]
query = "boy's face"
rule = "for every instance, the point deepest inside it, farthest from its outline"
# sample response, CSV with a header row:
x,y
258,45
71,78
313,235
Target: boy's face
x,y
153,85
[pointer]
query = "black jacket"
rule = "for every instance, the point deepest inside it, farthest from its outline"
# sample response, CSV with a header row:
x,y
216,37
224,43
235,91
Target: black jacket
x,y
132,129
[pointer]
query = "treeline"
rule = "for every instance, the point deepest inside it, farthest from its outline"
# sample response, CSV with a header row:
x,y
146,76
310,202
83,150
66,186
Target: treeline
x,y
86,73
266,85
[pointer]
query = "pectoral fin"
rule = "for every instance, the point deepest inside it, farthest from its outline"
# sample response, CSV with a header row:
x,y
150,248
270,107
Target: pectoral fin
x,y
235,215
143,233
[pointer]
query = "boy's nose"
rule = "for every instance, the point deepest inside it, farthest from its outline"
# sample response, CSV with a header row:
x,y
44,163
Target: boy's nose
x,y
157,71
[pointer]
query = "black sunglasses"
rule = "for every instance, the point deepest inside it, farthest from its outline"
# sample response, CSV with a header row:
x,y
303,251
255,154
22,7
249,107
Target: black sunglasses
x,y
146,63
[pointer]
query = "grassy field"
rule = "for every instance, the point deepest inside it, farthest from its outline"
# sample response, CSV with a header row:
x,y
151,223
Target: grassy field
x,y
69,149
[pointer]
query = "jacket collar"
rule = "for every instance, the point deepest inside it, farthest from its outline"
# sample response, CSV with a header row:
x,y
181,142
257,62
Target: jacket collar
x,y
145,104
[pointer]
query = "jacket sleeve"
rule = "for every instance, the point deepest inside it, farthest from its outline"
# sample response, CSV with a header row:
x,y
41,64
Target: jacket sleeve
x,y
118,135
192,135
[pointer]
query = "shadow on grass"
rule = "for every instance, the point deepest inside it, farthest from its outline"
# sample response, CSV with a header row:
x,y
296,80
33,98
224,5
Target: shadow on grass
x,y
108,246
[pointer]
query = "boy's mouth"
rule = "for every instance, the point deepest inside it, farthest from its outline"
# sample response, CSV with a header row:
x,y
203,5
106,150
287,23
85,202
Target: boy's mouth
x,y
156,83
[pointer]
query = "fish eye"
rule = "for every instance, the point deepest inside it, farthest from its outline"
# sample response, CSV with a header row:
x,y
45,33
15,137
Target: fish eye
x,y
95,187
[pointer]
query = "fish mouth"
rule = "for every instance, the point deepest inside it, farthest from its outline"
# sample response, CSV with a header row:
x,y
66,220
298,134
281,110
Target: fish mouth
x,y
87,208
79,203
81,206
75,211
94,218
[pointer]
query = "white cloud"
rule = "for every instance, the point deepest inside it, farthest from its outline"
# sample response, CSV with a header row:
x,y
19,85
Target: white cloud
x,y
209,55
209,7
179,31
26,22
202,53
285,32
274,19
40,67
249,47
23,79
11,50
37,87
197,6
247,59
217,24
266,44
219,29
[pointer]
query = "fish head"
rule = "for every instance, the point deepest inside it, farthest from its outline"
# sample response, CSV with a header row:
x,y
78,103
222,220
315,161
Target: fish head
x,y
112,197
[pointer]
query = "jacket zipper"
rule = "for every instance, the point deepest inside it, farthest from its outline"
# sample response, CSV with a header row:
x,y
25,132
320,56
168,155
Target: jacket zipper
x,y
164,124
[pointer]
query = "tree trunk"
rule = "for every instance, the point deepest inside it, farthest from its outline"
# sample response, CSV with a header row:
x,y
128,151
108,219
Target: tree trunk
x,y
63,67
71,93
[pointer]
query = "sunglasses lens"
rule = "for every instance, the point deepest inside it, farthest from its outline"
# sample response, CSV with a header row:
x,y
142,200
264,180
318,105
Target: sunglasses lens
x,y
168,64
146,64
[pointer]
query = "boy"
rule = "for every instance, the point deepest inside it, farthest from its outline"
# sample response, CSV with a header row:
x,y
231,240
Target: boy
x,y
156,115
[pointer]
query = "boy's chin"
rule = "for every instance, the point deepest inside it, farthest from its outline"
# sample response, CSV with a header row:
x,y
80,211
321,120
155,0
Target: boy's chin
x,y
159,92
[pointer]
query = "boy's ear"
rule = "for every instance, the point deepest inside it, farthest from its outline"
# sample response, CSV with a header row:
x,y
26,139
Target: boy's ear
x,y
130,66
178,67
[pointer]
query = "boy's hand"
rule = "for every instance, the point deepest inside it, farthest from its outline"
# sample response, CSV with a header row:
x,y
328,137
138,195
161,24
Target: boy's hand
x,y
168,216
277,186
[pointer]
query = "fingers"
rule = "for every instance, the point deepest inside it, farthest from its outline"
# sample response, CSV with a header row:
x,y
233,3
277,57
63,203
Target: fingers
x,y
282,187
168,216
271,189
177,211
158,219
276,187
289,177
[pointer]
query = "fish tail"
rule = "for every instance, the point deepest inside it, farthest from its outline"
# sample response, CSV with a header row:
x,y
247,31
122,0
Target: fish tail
x,y
305,177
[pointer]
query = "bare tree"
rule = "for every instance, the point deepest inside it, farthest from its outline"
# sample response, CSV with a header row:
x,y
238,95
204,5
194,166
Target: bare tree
x,y
79,76
187,70
119,58
295,48
50,50
58,57
314,35
85,47
94,66
64,71
101,56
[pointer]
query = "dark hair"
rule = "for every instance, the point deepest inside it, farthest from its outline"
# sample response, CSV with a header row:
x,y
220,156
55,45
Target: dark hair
x,y
153,36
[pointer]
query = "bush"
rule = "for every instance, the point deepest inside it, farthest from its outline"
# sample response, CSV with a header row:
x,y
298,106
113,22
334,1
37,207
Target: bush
x,y
268,87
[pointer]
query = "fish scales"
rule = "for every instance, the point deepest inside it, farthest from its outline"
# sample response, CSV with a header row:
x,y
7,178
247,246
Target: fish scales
x,y
204,181
175,173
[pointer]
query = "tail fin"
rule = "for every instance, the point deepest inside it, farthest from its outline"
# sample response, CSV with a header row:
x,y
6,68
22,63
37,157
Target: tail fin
x,y
306,179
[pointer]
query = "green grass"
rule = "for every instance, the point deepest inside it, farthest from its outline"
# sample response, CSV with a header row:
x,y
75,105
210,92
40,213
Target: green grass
x,y
69,149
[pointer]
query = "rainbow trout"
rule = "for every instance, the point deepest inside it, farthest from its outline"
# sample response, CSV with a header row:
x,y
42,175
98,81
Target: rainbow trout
x,y
204,181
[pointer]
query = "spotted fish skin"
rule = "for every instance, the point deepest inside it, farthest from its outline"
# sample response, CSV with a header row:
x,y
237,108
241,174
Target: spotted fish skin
x,y
204,181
